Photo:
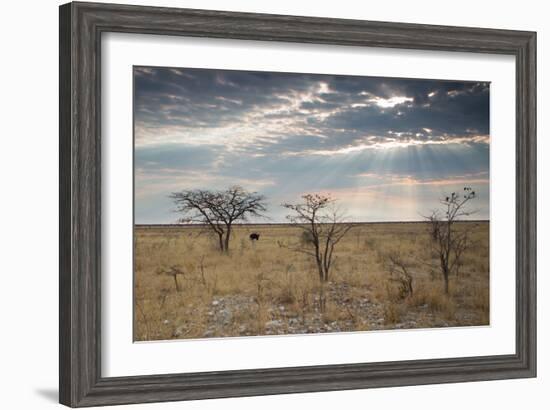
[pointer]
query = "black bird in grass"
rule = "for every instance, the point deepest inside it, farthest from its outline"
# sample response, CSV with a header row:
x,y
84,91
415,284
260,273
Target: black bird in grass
x,y
254,236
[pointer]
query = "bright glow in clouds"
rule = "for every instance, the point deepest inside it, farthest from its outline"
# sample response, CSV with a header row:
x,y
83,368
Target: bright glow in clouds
x,y
391,102
386,149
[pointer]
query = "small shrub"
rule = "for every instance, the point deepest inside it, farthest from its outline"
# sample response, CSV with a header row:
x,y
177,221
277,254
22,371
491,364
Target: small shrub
x,y
285,296
400,273
393,313
439,303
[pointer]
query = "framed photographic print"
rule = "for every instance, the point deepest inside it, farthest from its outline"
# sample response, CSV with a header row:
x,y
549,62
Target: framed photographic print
x,y
356,198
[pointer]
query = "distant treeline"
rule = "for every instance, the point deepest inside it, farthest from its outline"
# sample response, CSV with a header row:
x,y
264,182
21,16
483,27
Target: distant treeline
x,y
152,226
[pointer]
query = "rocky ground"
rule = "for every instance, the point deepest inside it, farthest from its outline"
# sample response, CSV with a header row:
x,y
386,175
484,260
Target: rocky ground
x,y
364,313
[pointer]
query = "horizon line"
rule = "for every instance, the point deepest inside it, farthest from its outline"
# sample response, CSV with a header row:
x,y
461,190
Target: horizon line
x,y
287,223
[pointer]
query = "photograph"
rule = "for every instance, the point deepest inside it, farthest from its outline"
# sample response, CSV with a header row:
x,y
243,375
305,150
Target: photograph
x,y
271,203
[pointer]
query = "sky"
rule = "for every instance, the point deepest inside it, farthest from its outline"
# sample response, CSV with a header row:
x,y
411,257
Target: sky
x,y
386,149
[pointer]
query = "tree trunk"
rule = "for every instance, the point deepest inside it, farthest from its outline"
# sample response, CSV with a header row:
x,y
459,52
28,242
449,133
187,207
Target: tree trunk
x,y
446,277
322,298
227,236
220,238
323,269
320,269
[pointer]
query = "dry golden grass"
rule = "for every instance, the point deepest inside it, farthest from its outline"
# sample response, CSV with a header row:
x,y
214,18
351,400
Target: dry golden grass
x,y
263,288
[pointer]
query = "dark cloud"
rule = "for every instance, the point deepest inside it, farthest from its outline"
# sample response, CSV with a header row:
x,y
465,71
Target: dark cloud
x,y
212,98
284,134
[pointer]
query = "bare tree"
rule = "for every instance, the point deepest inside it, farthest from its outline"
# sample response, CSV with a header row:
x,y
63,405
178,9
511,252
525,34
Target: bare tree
x,y
323,227
400,272
449,241
172,271
219,210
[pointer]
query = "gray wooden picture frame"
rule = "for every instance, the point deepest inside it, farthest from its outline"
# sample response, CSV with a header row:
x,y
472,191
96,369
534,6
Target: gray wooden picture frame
x,y
81,27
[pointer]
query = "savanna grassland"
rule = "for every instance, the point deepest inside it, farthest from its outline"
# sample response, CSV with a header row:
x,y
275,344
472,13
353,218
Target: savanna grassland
x,y
186,288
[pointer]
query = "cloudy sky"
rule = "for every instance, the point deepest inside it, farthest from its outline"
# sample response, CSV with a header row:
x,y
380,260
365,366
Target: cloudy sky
x,y
387,149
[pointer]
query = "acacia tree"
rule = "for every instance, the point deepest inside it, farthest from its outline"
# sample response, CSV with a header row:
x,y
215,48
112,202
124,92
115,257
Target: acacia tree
x,y
449,242
219,210
323,225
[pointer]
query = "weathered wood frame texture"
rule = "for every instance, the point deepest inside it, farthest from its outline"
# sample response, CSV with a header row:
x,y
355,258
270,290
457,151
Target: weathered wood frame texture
x,y
81,26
